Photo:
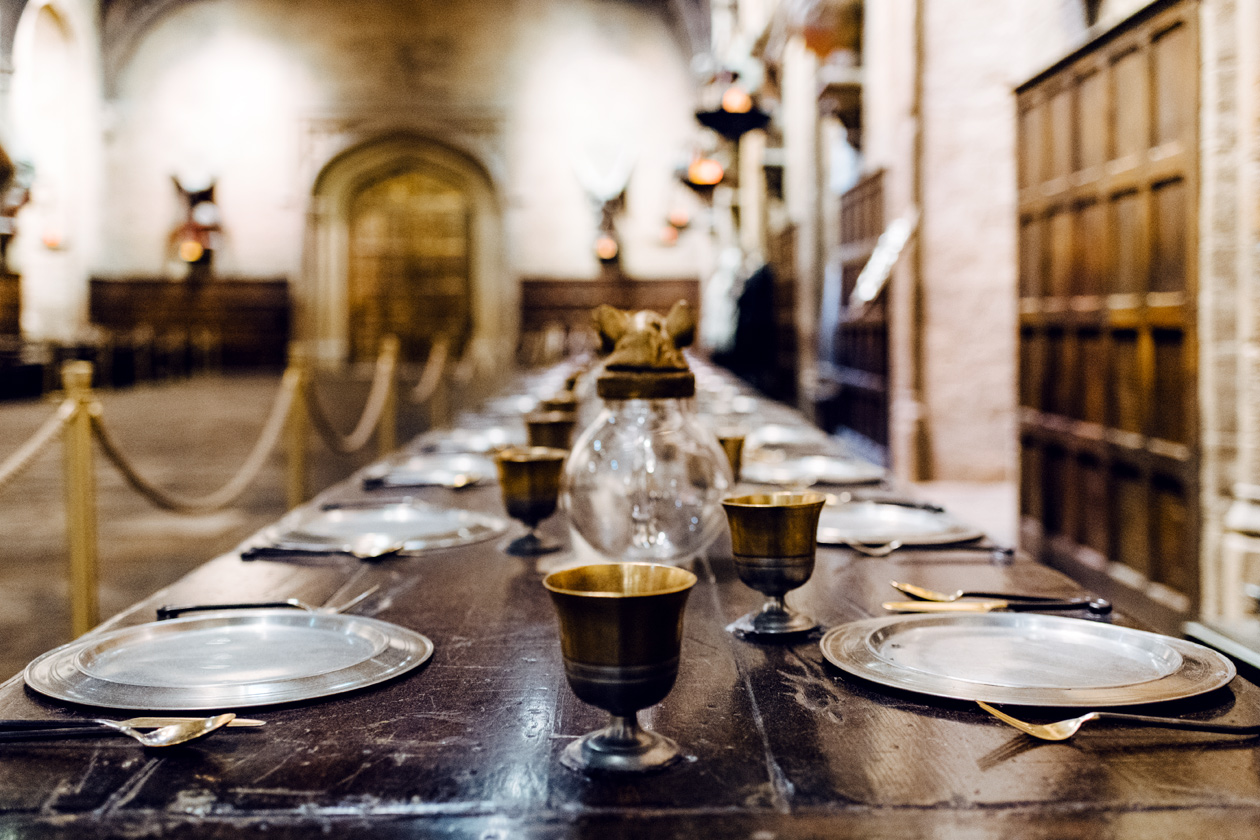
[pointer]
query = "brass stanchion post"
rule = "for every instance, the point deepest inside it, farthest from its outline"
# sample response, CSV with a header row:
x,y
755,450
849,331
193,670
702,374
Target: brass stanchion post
x,y
298,430
80,473
387,431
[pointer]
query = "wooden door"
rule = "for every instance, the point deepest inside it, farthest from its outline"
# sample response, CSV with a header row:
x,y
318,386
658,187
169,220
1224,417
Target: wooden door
x,y
1108,188
409,265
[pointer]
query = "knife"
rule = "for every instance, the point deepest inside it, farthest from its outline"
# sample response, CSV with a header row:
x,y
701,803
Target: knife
x,y
88,723
987,605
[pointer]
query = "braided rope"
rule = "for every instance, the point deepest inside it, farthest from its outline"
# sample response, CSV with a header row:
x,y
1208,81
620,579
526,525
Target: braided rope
x,y
434,368
19,461
382,384
228,493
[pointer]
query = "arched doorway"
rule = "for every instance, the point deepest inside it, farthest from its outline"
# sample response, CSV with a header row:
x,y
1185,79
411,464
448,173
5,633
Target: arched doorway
x,y
404,238
409,265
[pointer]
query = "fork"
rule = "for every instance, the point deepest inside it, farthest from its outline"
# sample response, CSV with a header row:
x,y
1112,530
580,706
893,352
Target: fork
x,y
1096,605
163,613
1063,729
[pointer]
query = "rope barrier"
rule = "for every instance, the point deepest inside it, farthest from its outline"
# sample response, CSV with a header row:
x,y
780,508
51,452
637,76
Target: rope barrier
x,y
434,368
19,461
383,382
229,492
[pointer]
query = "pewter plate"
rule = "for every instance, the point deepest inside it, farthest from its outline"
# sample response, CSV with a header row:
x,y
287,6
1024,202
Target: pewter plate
x,y
1025,659
476,441
458,470
417,526
228,661
876,523
811,469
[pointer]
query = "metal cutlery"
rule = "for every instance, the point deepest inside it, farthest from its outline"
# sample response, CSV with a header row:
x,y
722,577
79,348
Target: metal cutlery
x,y
364,549
845,497
453,482
27,724
1063,729
885,549
988,605
166,736
167,612
1096,605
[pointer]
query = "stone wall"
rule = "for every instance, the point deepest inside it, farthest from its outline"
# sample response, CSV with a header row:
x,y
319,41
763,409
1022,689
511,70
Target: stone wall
x,y
546,96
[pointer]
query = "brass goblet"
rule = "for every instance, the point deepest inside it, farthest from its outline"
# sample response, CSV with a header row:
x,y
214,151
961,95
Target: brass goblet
x,y
563,401
732,441
551,428
621,628
774,537
530,479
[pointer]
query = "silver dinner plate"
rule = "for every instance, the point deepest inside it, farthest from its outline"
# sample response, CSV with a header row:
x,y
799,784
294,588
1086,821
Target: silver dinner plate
x,y
228,660
1025,659
457,470
811,469
879,523
415,525
796,439
476,441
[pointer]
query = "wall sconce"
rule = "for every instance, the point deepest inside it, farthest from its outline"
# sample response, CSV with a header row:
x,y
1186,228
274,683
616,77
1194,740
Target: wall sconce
x,y
679,219
702,175
196,237
607,248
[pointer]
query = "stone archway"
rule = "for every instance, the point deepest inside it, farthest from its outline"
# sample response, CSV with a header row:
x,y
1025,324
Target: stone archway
x,y
404,236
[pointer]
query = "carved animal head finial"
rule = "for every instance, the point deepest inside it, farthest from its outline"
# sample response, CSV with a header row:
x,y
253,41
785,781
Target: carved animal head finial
x,y
643,340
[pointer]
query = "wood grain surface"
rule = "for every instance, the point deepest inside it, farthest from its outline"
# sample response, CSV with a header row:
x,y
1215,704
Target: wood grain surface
x,y
779,743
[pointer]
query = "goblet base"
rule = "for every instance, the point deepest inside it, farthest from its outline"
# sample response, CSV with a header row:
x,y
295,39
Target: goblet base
x,y
773,622
606,751
531,545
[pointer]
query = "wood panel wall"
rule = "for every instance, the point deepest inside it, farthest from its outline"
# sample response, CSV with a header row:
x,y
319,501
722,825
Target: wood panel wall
x,y
546,302
249,319
1108,186
10,303
860,369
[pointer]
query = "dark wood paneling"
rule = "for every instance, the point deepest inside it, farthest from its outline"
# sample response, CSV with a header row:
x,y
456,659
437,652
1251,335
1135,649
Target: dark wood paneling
x,y
10,304
1108,237
546,302
861,366
248,319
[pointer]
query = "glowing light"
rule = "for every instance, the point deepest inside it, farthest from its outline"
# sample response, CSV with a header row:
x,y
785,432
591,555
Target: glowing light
x,y
736,100
190,250
705,172
606,247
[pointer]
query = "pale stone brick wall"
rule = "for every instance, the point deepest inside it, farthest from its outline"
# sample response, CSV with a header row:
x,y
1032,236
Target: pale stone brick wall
x,y
260,93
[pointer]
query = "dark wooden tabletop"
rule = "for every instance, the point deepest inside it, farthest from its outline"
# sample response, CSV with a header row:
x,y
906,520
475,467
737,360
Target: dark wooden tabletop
x,y
779,743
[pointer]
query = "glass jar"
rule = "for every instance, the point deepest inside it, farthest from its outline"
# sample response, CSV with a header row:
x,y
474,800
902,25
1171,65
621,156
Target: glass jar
x,y
645,481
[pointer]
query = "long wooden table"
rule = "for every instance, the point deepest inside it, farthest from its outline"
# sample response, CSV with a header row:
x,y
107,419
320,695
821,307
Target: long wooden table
x,y
780,743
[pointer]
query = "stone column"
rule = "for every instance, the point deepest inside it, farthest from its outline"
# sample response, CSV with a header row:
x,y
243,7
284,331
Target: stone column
x,y
1231,308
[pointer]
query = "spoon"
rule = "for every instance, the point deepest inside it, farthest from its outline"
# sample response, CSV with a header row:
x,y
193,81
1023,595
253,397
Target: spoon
x,y
1095,605
167,736
1063,729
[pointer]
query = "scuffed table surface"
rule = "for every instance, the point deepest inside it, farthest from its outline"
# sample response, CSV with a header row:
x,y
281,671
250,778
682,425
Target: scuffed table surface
x,y
780,743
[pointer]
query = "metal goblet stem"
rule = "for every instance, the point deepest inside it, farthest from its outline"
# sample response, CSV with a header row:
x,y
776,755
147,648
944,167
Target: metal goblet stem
x,y
733,445
621,635
530,480
774,537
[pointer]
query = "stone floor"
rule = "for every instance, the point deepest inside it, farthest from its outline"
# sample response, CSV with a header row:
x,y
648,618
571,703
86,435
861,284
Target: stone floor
x,y
188,436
